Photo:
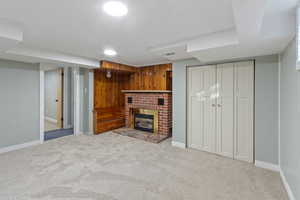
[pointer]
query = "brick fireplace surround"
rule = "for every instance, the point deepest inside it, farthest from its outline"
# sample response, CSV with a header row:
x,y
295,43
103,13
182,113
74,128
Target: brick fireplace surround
x,y
150,100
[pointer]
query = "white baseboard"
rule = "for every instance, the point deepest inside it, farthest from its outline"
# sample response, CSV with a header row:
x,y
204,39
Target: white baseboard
x,y
178,144
78,133
51,120
266,165
287,186
19,146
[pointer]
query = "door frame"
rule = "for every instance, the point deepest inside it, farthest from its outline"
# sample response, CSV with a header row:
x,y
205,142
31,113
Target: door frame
x,y
75,70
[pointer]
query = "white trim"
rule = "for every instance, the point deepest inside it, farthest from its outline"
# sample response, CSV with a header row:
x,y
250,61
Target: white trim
x,y
279,107
178,144
298,37
287,186
51,120
91,101
266,165
66,89
42,102
19,146
76,101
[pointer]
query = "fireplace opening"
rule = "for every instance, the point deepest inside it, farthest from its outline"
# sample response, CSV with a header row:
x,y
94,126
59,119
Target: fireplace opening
x,y
144,122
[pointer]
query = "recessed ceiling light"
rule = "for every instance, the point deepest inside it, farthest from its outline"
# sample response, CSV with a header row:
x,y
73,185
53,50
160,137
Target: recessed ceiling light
x,y
110,52
115,8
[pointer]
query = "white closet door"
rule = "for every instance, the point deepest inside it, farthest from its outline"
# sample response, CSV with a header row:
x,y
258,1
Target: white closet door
x,y
244,73
201,119
225,109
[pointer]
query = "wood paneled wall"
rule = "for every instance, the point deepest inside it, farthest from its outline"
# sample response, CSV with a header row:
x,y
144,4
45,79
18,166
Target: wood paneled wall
x,y
106,65
151,78
108,91
109,100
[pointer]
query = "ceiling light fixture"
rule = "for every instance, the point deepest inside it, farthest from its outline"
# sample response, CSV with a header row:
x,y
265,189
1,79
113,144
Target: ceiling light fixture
x,y
110,52
115,8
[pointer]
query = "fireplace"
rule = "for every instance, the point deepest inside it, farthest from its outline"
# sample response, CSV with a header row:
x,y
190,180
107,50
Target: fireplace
x,y
144,122
149,111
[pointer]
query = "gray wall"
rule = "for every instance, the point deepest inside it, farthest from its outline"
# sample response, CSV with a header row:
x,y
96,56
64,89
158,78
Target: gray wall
x,y
51,85
266,109
179,99
290,118
267,73
19,103
84,100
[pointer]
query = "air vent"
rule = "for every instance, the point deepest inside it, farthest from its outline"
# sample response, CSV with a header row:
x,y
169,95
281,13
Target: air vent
x,y
170,54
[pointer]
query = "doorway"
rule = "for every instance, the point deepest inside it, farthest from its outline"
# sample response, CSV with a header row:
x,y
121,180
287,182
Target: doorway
x,y
58,103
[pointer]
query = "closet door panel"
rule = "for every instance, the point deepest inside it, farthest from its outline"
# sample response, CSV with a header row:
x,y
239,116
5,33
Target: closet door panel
x,y
196,123
225,109
244,73
201,112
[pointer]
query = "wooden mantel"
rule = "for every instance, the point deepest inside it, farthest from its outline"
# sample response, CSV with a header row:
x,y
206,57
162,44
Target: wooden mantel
x,y
146,91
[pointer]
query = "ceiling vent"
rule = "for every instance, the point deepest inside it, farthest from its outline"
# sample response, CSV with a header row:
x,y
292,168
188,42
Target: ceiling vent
x,y
170,54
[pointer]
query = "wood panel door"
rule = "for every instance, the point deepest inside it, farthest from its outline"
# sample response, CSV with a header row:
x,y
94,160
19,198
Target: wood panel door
x,y
225,109
202,108
59,99
244,84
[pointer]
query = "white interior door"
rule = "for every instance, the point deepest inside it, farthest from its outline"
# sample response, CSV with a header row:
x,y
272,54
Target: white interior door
x,y
202,107
225,109
244,80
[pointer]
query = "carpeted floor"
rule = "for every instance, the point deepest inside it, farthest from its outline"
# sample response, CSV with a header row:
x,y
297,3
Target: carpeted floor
x,y
111,167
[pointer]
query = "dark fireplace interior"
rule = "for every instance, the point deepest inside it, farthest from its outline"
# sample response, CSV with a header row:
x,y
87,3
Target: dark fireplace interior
x,y
144,122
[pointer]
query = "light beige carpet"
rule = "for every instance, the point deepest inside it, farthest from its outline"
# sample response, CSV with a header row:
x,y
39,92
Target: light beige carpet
x,y
111,167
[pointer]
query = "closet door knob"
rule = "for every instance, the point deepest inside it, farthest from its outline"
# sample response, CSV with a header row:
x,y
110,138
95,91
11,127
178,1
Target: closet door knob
x,y
219,105
213,105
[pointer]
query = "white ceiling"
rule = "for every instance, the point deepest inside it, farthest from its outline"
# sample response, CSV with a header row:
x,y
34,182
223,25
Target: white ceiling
x,y
76,31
